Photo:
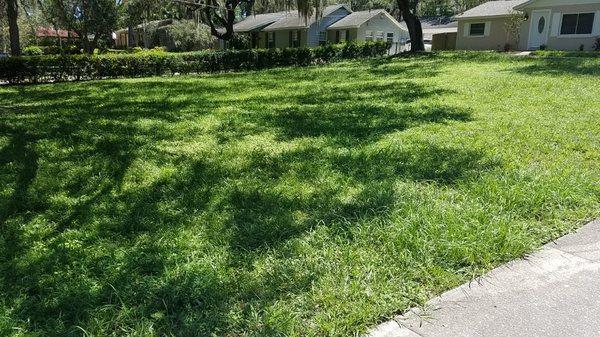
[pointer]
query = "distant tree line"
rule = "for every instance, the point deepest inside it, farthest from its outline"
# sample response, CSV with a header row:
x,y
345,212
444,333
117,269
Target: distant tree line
x,y
90,23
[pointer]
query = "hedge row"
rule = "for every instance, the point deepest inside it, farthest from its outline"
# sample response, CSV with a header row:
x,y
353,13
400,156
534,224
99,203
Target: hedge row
x,y
59,68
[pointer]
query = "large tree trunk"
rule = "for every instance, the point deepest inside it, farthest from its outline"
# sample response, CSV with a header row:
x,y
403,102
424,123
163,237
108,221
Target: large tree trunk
x,y
12,13
415,31
408,10
225,22
208,13
83,34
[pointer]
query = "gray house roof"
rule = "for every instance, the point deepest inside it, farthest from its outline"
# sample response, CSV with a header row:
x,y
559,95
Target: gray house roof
x,y
491,9
356,19
258,21
296,21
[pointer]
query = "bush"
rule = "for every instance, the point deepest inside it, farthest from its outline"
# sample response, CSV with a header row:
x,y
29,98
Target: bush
x,y
159,49
597,44
186,35
32,50
57,68
137,49
240,41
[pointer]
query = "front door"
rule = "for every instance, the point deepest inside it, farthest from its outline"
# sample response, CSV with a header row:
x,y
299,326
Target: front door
x,y
538,29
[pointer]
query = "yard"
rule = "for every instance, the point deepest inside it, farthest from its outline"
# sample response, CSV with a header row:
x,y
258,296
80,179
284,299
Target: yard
x,y
286,202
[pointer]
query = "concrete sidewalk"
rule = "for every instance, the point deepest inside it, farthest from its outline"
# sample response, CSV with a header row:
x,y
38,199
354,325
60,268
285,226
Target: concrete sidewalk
x,y
554,292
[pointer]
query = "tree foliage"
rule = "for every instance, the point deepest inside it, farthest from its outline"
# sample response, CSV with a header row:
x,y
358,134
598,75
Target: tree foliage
x,y
220,15
512,26
95,19
188,35
134,12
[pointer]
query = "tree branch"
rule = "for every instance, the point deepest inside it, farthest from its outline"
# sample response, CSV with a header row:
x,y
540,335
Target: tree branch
x,y
210,15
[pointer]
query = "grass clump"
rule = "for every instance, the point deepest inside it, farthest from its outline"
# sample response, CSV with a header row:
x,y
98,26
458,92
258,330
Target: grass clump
x,y
289,202
564,53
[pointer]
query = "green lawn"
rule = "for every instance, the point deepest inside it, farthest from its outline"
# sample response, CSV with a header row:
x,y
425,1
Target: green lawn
x,y
288,202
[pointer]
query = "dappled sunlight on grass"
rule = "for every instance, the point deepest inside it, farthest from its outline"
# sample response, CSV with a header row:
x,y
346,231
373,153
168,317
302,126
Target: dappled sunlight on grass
x,y
298,201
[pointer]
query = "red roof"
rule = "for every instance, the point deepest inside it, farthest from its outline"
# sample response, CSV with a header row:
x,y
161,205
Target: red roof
x,y
51,32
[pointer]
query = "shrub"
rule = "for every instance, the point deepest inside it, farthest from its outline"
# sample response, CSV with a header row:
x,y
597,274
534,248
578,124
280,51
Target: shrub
x,y
115,51
186,35
137,49
57,68
159,49
240,41
32,50
597,44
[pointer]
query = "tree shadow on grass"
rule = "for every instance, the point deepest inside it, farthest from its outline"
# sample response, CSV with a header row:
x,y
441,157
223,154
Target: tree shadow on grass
x,y
426,67
350,115
267,215
362,121
175,250
560,67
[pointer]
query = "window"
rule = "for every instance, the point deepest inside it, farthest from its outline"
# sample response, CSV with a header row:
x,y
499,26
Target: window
x,y
369,35
348,35
379,36
541,25
342,36
322,38
577,24
477,29
390,37
270,39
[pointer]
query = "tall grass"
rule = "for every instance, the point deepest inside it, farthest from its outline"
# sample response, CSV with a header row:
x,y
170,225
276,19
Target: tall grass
x,y
289,202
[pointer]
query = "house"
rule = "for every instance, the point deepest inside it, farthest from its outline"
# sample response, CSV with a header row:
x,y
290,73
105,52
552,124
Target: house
x,y
297,31
252,25
121,38
485,26
560,24
54,34
437,25
336,24
554,24
140,36
439,33
372,25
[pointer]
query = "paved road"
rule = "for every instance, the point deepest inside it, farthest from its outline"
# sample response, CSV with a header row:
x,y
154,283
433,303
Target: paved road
x,y
554,292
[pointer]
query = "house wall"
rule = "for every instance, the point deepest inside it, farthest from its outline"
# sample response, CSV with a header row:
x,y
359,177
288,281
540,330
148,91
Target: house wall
x,y
121,41
331,36
322,24
381,23
351,34
555,40
262,40
496,36
282,38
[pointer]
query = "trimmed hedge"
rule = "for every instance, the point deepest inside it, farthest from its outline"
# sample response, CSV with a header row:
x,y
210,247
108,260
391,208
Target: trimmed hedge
x,y
60,68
